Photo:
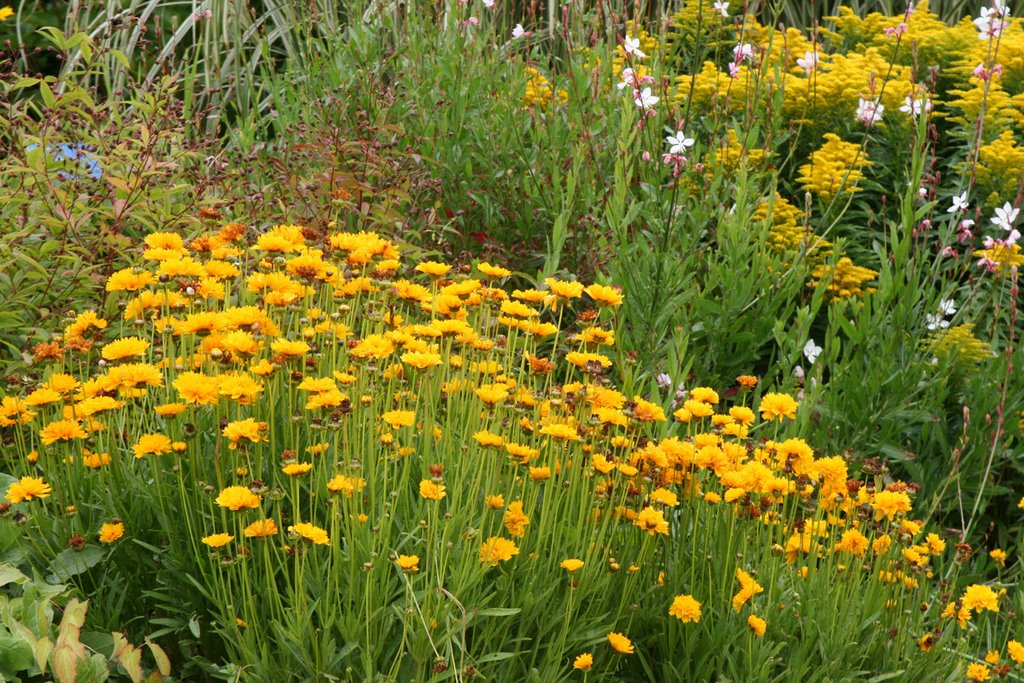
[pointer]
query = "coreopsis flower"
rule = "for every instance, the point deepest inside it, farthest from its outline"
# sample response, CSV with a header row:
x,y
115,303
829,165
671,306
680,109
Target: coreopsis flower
x,y
346,485
263,528
978,672
288,348
111,532
888,503
606,296
218,540
495,502
583,662
310,532
497,549
757,625
248,428
126,347
1016,651
410,564
853,542
620,643
747,381
237,498
421,360
749,587
571,565
197,388
432,490
777,406
652,521
516,520
685,608
979,597
152,444
28,489
295,469
61,430
433,268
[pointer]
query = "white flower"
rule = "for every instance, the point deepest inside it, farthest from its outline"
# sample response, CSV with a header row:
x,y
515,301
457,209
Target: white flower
x,y
809,62
664,380
742,52
644,99
1005,216
631,46
628,79
959,203
518,32
947,307
489,4
798,372
811,351
722,7
869,112
936,322
916,106
678,143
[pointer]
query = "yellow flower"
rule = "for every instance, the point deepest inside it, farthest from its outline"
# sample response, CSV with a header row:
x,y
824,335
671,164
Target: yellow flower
x,y
170,409
562,432
1016,651
61,430
757,625
747,381
237,498
152,444
777,406
497,549
408,563
110,532
685,608
432,490
540,473
571,565
125,347
834,168
218,540
749,587
492,393
999,556
399,418
248,428
287,348
977,672
422,360
606,296
310,532
583,662
495,502
652,521
346,485
563,289
197,388
493,271
28,488
888,503
620,643
261,529
978,597
853,542
515,519
295,469
433,268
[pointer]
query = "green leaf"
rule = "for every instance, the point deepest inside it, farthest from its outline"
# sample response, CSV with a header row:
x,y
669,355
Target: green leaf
x,y
9,574
72,563
15,655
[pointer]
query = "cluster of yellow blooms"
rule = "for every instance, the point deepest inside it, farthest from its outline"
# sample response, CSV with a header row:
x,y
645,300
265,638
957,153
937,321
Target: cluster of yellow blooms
x,y
304,355
540,93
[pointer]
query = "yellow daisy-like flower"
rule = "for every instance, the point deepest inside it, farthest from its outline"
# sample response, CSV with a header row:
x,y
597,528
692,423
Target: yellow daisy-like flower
x,y
237,498
263,528
295,469
152,444
757,625
605,296
620,643
571,565
685,608
433,268
493,271
778,406
310,532
346,485
563,289
111,532
126,347
28,488
432,490
61,430
583,662
399,418
409,564
218,540
497,549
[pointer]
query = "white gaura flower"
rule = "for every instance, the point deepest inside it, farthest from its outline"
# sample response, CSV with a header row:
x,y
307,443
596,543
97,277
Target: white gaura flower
x,y
631,46
1005,216
722,7
936,322
947,307
916,106
628,79
489,4
959,203
809,62
644,99
678,143
518,32
811,351
869,112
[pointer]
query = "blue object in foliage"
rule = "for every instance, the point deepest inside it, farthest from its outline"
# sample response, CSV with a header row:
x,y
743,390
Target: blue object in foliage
x,y
69,153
